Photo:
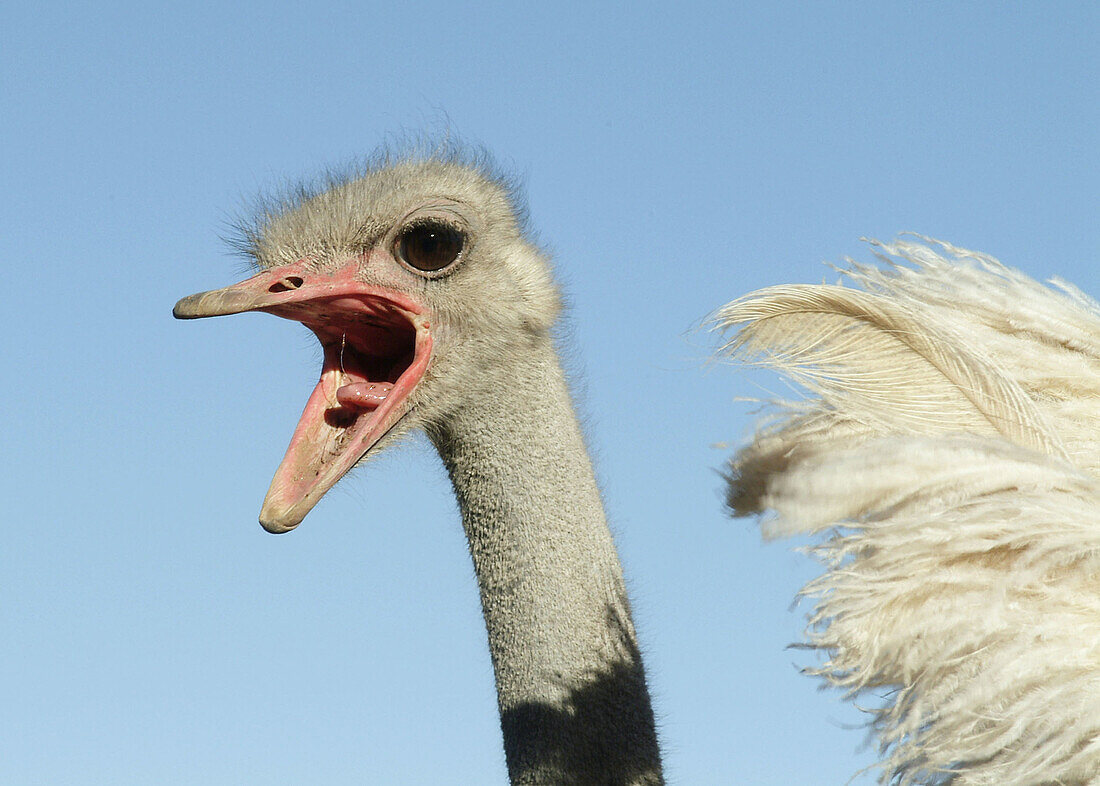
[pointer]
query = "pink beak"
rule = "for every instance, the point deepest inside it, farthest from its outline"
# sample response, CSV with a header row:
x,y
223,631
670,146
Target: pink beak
x,y
377,345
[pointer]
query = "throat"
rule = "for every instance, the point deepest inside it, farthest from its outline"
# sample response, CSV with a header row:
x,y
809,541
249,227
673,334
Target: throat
x,y
570,683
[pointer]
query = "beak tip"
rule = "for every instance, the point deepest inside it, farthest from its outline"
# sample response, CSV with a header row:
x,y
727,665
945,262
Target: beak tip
x,y
276,527
279,520
190,307
218,303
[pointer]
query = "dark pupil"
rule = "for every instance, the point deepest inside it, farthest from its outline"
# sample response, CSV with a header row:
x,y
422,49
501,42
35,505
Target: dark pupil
x,y
430,247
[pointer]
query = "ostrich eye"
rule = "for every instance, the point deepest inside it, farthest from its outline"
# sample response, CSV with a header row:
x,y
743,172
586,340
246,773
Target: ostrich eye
x,y
430,247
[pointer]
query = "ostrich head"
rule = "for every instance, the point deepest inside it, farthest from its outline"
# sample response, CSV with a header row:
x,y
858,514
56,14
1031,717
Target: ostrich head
x,y
418,281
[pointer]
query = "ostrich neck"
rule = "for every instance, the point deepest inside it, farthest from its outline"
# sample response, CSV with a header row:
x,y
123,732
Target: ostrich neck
x,y
570,685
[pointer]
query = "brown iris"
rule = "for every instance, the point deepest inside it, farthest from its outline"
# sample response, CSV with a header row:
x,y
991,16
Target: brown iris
x,y
430,246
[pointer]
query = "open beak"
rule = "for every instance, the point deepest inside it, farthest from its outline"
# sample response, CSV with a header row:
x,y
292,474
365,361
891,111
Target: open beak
x,y
377,345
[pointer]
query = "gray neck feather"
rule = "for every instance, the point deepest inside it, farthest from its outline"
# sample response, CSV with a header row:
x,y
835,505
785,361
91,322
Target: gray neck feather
x,y
570,686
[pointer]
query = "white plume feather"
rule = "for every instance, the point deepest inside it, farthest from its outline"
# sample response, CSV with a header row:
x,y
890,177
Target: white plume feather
x,y
949,460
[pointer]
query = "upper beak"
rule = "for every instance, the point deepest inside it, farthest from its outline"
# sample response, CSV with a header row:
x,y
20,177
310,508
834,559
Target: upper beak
x,y
265,290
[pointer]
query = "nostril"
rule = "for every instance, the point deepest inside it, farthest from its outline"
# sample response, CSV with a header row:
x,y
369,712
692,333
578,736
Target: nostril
x,y
286,284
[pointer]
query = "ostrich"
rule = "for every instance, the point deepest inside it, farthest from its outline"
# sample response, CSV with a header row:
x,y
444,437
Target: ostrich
x,y
435,311
948,463
951,462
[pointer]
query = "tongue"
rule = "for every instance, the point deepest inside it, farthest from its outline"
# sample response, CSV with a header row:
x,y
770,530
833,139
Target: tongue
x,y
363,395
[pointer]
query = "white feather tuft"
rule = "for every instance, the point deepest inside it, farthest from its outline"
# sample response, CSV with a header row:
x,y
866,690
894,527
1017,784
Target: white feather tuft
x,y
949,462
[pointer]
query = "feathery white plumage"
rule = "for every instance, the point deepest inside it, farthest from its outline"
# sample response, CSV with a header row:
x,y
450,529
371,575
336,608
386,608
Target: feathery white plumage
x,y
949,459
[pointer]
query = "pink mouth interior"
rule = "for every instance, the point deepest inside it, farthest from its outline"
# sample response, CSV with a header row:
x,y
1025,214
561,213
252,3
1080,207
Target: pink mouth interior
x,y
365,361
375,352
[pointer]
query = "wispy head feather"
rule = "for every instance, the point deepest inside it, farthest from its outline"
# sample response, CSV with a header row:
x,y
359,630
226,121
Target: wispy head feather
x,y
315,216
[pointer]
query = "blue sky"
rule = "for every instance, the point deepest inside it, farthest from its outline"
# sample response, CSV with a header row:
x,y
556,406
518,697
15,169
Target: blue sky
x,y
674,159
